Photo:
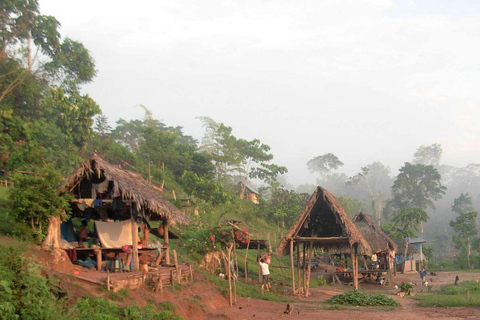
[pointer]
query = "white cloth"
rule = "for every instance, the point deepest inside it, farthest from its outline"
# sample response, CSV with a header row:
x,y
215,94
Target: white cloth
x,y
264,267
114,235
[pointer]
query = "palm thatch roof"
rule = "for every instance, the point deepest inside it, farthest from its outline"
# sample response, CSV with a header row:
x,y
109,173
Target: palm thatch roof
x,y
131,185
401,248
376,238
326,225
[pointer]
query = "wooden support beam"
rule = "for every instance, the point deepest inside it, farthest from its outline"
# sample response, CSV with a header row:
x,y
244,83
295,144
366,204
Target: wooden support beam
x,y
258,257
99,259
354,257
166,241
304,267
177,267
229,274
321,239
298,267
292,266
309,270
136,265
245,262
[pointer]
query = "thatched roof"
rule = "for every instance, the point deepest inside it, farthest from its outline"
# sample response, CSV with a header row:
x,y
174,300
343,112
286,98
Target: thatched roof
x,y
401,248
326,223
376,238
132,186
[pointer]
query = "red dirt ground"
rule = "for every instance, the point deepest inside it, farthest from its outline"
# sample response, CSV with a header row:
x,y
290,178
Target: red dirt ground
x,y
201,300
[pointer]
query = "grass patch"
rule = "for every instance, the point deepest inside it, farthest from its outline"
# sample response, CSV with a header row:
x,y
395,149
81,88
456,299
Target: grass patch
x,y
167,306
443,300
247,290
358,298
453,296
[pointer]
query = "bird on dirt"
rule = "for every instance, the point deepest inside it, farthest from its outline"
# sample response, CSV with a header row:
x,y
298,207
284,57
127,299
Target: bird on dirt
x,y
289,309
456,280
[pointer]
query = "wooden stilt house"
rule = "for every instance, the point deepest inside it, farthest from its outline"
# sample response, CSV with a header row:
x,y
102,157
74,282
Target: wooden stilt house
x,y
107,191
322,224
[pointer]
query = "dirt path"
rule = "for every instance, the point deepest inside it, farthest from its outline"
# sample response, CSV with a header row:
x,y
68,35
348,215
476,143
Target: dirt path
x,y
200,300
311,308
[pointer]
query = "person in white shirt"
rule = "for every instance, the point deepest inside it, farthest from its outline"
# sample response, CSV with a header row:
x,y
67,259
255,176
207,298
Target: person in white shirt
x,y
265,275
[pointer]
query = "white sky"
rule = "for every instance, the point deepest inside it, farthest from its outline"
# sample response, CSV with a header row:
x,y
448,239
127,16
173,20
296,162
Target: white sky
x,y
366,80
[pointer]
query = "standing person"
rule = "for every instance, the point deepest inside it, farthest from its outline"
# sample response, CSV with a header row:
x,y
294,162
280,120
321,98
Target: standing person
x,y
83,233
265,274
423,275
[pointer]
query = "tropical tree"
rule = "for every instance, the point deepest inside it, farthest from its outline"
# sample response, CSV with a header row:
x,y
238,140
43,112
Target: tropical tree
x,y
324,164
375,180
417,186
428,155
406,224
237,157
464,224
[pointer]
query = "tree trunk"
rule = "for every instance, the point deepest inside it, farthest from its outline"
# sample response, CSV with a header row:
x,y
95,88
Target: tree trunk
x,y
52,240
468,253
405,255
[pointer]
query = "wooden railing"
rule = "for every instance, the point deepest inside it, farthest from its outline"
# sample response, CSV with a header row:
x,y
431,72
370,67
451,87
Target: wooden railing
x,y
6,183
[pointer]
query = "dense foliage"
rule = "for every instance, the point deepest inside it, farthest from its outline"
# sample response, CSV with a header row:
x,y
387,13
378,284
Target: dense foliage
x,y
26,294
358,298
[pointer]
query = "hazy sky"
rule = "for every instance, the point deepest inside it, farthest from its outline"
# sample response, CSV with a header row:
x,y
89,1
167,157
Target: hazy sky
x,y
366,80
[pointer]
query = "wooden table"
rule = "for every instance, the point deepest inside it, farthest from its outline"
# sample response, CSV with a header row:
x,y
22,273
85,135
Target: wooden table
x,y
349,274
98,251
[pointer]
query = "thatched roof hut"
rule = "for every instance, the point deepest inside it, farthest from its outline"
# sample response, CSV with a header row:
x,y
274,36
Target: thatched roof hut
x,y
376,238
324,223
131,185
401,248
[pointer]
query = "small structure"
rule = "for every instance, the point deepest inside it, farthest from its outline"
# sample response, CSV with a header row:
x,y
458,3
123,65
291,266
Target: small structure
x,y
323,224
105,191
380,243
411,260
378,240
418,244
248,191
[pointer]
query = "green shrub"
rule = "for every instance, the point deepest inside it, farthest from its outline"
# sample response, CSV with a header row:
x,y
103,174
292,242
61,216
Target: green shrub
x,y
24,293
358,298
321,281
407,287
11,228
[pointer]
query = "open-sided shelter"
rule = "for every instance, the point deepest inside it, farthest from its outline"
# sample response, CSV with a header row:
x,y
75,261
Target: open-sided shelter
x,y
378,240
324,224
112,190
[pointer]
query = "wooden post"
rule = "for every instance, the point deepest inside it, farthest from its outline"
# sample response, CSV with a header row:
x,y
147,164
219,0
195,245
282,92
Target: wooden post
x,y
191,271
108,280
172,278
136,265
99,259
246,263
269,244
304,267
291,265
258,257
298,267
165,241
354,257
161,285
229,274
309,270
177,267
